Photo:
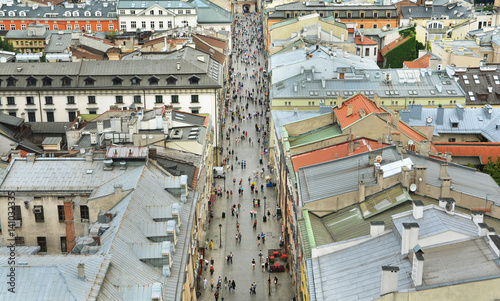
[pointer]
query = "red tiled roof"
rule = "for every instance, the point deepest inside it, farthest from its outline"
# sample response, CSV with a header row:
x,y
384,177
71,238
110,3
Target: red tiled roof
x,y
334,152
358,102
350,30
484,150
393,45
364,41
411,132
421,62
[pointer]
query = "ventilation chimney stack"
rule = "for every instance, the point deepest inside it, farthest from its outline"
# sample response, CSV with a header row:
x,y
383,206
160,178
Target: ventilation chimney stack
x,y
409,237
377,228
376,100
339,101
389,280
418,209
417,271
477,217
395,118
482,229
81,270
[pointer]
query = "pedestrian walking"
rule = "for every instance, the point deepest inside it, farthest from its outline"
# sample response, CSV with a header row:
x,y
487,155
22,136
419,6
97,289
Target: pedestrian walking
x,y
225,282
212,269
212,284
211,244
233,285
216,295
253,264
205,281
258,240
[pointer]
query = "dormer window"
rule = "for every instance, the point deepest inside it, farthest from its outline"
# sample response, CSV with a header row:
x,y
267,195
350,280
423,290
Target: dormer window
x,y
117,81
11,82
12,14
454,124
171,80
89,81
153,81
2,14
87,14
31,81
47,81
22,14
98,13
135,81
67,14
66,81
194,80
76,14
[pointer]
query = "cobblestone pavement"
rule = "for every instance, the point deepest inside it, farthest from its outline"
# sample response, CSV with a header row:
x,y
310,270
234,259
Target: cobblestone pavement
x,y
241,269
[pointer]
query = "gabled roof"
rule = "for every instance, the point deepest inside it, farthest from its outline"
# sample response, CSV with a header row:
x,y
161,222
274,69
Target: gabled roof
x,y
362,40
421,62
483,150
334,152
393,45
11,120
360,103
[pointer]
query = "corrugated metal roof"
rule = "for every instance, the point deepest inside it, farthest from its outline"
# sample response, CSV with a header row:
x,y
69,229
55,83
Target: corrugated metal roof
x,y
20,250
11,120
51,140
49,127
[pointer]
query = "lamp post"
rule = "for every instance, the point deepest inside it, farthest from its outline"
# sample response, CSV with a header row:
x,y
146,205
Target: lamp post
x,y
220,235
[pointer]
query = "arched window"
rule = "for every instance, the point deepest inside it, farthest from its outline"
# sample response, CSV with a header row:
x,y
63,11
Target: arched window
x,y
98,13
87,14
67,14
12,14
22,14
76,14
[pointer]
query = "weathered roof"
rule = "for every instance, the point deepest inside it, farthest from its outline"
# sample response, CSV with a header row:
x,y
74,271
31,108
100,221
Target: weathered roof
x,y
361,40
450,11
59,42
361,106
105,8
210,13
11,120
483,150
141,5
280,118
477,83
51,140
49,127
20,250
421,62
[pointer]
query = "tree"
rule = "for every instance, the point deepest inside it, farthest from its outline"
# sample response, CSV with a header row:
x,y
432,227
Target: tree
x,y
6,45
493,169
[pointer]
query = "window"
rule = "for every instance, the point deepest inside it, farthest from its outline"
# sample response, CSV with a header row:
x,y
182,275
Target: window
x,y
42,243
160,12
375,15
49,100
77,27
12,27
361,25
98,27
84,212
143,24
17,213
159,99
171,80
30,100
349,15
11,100
133,24
86,14
47,82
19,240
111,27
89,81
123,26
185,23
169,24
117,81
60,213
13,113
375,26
153,81
375,51
91,99
38,211
193,80
180,12
452,139
362,14
92,112
137,98
2,27
122,11
64,245
50,116
76,14
194,98
132,12
31,81
151,12
152,24
188,11
56,27
367,52
31,116
175,98
11,82
135,81
454,124
388,14
98,14
160,24
70,100
195,111
118,99
71,116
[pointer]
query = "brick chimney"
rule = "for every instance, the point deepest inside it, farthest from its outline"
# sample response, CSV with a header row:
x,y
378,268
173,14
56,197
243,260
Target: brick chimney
x,y
420,178
339,101
376,100
70,225
361,191
389,280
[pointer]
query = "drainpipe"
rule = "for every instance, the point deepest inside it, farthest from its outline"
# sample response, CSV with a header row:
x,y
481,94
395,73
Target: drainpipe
x,y
40,106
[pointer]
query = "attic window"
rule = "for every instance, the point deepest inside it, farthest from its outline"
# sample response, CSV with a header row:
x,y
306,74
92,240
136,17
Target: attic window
x,y
193,80
477,81
76,14
117,81
31,81
11,82
47,82
135,81
171,80
454,124
89,81
153,81
67,14
87,14
98,14
66,81
466,82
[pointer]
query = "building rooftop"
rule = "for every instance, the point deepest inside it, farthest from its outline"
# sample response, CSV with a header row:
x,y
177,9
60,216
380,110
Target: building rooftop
x,y
98,10
393,45
362,40
481,150
481,85
457,47
358,106
280,118
451,11
421,62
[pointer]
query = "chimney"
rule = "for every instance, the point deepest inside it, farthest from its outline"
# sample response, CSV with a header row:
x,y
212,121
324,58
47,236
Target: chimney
x,y
460,111
445,187
425,148
361,191
490,89
477,216
81,270
30,157
380,177
409,238
418,209
118,188
443,171
351,146
70,225
488,109
417,271
376,100
482,229
112,124
118,124
349,109
89,157
100,127
376,228
440,115
448,157
420,178
389,280
395,118
178,66
339,101
494,242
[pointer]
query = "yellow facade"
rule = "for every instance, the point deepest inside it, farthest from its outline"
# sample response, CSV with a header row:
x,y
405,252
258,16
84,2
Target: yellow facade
x,y
28,45
304,281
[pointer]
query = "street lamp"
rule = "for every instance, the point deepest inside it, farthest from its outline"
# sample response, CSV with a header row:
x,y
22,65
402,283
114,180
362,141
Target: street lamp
x,y
220,235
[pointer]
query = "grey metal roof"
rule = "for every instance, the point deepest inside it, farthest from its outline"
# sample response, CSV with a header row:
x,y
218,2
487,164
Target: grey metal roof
x,y
58,43
324,61
20,250
354,273
336,177
55,277
49,127
11,120
450,11
279,11
405,83
280,118
210,13
463,179
436,221
477,84
106,8
51,140
459,120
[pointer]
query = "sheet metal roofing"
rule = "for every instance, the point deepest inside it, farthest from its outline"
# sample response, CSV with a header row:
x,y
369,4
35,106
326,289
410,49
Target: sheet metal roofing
x,y
338,151
280,118
449,11
459,120
54,277
107,10
11,120
336,177
138,4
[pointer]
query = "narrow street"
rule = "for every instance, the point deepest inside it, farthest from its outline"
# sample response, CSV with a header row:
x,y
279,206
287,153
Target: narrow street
x,y
247,138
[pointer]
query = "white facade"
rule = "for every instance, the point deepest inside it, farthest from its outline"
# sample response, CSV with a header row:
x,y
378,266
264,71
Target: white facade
x,y
156,17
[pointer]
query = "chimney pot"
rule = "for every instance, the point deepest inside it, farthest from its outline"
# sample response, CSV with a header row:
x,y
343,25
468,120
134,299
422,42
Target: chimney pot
x,y
482,229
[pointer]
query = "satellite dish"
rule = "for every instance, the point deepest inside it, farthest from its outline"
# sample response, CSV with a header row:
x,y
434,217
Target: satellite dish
x,y
429,119
378,158
410,142
82,151
413,187
150,136
143,136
